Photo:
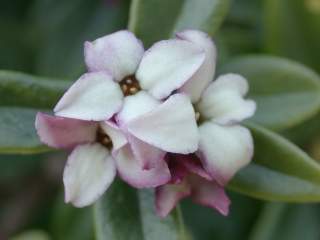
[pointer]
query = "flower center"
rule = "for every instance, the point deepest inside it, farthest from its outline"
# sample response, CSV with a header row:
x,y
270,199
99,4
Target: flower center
x,y
103,138
129,85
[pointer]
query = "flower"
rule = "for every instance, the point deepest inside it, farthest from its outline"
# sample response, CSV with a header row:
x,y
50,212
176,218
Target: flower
x,y
156,118
126,81
189,179
123,115
225,146
92,164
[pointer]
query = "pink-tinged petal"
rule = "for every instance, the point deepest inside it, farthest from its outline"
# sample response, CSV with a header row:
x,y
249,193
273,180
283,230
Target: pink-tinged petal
x,y
88,173
193,165
178,170
118,53
131,171
116,135
167,65
136,105
209,194
201,79
168,196
92,97
148,155
223,101
224,150
59,132
171,126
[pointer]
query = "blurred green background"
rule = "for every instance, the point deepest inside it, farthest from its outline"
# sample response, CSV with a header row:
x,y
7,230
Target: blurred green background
x,y
45,37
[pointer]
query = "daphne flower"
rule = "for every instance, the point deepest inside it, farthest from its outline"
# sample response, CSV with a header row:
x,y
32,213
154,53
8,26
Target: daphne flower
x,y
190,179
132,84
122,116
225,146
92,163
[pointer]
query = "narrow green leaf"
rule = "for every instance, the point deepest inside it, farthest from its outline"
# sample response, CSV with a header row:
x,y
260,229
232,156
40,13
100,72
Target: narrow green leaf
x,y
18,134
287,93
19,89
70,223
244,211
300,42
125,213
67,25
280,221
153,20
280,171
32,235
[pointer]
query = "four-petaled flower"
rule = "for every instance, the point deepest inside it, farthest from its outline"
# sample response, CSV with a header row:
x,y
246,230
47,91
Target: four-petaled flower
x,y
151,117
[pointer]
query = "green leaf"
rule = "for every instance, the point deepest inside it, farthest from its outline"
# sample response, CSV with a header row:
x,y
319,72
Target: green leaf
x,y
126,213
17,167
18,134
67,26
19,89
70,223
280,171
32,235
300,42
287,93
237,225
153,20
280,221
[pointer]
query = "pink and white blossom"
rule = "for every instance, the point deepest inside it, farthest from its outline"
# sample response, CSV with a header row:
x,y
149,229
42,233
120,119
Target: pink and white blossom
x,y
98,151
138,87
123,115
156,118
225,146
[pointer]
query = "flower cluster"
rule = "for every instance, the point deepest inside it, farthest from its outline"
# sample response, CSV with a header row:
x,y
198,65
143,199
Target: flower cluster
x,y
156,118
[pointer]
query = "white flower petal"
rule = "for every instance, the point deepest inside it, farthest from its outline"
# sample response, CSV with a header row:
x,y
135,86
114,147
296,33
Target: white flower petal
x,y
92,97
136,105
61,132
171,126
148,155
224,150
88,173
131,171
167,65
118,53
200,80
114,132
223,102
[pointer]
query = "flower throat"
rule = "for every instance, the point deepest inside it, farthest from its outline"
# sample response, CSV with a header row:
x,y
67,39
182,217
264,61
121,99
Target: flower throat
x,y
129,85
103,138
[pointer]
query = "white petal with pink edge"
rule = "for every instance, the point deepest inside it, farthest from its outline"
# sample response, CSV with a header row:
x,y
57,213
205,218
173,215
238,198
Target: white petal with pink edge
x,y
224,150
167,65
171,126
148,155
59,132
88,173
131,171
223,101
95,96
118,53
195,86
136,105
